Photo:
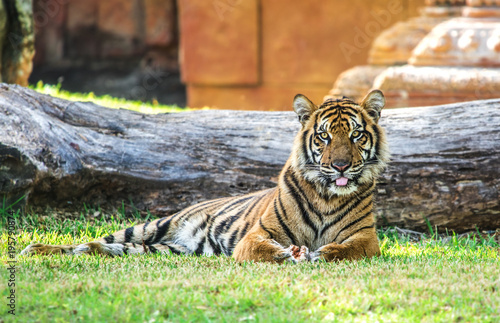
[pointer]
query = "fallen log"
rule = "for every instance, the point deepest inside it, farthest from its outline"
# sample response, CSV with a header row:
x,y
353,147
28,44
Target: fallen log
x,y
61,154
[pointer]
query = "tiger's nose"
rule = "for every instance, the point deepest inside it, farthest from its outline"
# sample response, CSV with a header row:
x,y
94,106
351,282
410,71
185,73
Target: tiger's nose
x,y
340,165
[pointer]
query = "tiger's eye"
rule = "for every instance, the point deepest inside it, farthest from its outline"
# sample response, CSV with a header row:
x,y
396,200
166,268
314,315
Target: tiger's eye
x,y
323,135
355,134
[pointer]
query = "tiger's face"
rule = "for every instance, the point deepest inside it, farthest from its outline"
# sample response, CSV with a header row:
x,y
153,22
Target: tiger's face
x,y
341,146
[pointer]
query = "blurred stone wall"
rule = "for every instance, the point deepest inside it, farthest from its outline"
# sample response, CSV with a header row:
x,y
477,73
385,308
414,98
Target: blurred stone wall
x,y
239,54
108,33
256,54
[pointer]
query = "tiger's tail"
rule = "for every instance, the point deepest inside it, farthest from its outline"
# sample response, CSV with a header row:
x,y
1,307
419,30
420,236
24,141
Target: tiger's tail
x,y
140,239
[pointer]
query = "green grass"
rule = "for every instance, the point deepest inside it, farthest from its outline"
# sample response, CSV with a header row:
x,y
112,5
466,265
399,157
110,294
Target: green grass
x,y
436,279
106,100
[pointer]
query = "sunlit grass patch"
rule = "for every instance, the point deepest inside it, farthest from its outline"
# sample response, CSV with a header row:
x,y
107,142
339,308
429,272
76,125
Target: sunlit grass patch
x,y
106,100
436,279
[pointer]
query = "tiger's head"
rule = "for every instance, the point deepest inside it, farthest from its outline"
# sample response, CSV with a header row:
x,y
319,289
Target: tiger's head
x,y
340,146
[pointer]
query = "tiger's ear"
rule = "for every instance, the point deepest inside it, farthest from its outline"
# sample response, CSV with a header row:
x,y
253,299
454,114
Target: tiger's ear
x,y
303,107
373,104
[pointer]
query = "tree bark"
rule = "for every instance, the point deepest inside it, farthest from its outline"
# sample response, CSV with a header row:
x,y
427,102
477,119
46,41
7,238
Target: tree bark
x,y
17,41
61,154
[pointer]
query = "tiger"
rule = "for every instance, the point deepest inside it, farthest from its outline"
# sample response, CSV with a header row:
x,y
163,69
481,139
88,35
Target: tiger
x,y
320,210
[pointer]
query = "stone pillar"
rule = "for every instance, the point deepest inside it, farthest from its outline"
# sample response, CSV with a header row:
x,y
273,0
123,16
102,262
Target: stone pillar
x,y
472,40
458,58
394,46
482,8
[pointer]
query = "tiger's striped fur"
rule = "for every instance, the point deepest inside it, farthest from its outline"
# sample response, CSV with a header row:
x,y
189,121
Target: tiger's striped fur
x,y
322,203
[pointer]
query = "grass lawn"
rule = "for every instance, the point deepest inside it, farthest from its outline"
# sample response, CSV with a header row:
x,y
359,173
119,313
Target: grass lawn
x,y
106,100
432,280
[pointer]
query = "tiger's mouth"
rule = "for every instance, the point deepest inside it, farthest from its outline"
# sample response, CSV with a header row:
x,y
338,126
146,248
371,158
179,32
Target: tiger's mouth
x,y
331,181
333,184
339,180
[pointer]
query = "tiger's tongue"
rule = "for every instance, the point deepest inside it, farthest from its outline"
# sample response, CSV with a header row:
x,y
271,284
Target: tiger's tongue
x,y
341,181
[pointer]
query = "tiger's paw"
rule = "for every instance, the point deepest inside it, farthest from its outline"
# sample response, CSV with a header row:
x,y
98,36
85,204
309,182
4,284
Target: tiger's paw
x,y
45,249
316,256
297,254
329,252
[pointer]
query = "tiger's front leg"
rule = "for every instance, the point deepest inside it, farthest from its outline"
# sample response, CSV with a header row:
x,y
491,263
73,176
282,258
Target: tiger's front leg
x,y
356,247
257,246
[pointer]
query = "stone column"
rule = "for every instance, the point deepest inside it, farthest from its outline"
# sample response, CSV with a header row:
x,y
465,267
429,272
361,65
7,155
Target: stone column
x,y
472,40
394,46
482,8
459,60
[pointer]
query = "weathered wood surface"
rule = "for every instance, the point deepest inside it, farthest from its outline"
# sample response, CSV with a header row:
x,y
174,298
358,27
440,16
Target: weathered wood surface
x,y
445,160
